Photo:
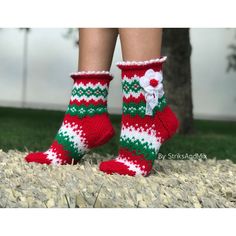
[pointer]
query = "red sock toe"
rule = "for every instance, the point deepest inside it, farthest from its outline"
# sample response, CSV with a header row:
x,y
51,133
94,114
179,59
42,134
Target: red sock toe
x,y
38,157
113,166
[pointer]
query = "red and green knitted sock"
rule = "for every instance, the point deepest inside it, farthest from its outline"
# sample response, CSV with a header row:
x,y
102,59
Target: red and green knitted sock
x,y
86,123
147,120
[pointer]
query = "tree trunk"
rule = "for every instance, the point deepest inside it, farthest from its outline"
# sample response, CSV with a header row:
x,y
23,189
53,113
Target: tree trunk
x,y
177,74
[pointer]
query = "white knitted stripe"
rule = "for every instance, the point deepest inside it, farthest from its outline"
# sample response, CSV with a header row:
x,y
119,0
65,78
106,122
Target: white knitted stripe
x,y
90,85
141,63
131,166
75,134
53,157
148,136
87,99
133,94
91,73
132,79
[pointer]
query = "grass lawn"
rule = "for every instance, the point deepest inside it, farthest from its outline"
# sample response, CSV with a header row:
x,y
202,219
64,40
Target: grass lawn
x,y
28,129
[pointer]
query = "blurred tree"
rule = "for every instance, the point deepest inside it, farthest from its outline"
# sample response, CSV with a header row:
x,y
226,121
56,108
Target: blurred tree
x,y
72,33
25,65
232,56
176,45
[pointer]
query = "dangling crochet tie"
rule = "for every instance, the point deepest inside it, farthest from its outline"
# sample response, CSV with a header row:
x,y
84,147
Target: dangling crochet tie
x,y
153,89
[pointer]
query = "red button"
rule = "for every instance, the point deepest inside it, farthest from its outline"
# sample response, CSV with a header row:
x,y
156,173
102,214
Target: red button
x,y
153,82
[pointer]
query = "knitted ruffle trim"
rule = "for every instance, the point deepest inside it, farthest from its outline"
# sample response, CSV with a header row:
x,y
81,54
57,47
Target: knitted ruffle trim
x,y
141,63
91,73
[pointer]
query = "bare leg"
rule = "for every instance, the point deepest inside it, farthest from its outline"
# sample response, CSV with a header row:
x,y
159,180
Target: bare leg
x,y
96,48
140,44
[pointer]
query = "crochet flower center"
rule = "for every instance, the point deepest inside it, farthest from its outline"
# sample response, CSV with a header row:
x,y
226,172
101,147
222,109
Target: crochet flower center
x,y
153,82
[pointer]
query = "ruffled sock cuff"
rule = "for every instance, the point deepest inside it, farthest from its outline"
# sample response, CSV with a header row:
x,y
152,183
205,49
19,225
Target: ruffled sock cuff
x,y
92,74
131,65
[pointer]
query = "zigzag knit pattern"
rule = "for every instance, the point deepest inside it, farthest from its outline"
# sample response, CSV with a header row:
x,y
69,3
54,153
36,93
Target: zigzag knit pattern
x,y
86,123
147,120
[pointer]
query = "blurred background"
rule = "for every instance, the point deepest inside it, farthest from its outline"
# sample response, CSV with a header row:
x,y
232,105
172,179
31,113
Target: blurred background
x,y
200,82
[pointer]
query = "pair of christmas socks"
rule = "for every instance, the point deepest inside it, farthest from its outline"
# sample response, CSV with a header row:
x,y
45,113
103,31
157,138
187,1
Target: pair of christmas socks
x,y
147,120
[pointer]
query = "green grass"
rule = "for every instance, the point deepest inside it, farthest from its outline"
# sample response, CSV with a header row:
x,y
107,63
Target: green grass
x,y
28,129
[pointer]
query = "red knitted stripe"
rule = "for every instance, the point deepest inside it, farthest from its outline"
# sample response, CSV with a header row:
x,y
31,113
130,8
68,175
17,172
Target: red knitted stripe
x,y
94,79
140,71
93,128
147,122
131,98
39,157
157,66
168,120
96,118
145,165
137,120
87,103
97,129
114,166
61,153
75,119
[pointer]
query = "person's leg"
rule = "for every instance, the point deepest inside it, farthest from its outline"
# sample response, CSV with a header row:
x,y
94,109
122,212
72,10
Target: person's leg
x,y
96,48
147,121
86,123
140,44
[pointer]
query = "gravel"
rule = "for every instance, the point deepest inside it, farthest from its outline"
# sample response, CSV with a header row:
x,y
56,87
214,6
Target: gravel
x,y
173,183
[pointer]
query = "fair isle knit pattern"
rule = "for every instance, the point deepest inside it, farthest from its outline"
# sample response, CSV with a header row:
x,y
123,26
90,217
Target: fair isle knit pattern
x,y
83,94
86,123
144,140
73,139
133,90
147,121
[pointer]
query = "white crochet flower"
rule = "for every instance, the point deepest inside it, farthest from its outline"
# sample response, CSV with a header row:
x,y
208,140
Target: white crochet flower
x,y
153,89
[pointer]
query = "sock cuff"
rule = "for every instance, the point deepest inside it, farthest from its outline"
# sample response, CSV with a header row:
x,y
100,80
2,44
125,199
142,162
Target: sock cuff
x,y
130,65
92,74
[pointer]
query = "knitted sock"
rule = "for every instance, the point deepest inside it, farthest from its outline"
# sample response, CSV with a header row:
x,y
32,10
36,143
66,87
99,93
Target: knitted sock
x,y
86,123
147,121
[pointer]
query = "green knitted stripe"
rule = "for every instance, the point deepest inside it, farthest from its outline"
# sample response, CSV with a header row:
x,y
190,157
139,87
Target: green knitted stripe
x,y
97,92
83,110
139,148
133,108
133,86
70,146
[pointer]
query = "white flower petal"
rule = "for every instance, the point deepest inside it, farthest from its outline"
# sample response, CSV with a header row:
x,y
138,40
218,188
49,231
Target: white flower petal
x,y
159,77
149,89
151,93
144,81
159,86
150,73
161,93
